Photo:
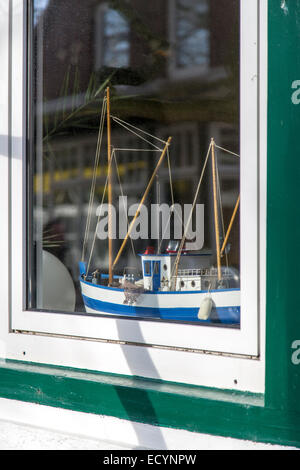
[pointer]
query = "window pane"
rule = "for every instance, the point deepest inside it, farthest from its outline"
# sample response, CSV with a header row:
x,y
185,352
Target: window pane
x,y
192,33
115,39
172,70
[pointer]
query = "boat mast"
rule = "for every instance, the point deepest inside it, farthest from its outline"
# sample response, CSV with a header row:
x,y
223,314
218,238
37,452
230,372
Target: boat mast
x,y
142,201
217,231
158,213
109,191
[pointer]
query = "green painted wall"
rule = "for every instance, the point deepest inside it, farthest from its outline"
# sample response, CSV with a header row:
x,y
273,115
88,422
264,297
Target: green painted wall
x,y
275,417
283,221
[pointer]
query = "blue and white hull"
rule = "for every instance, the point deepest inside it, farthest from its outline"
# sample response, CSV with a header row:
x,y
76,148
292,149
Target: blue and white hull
x,y
165,305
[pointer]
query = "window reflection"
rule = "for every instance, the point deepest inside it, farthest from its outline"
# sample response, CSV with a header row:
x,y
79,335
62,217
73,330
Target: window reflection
x,y
192,33
112,38
40,6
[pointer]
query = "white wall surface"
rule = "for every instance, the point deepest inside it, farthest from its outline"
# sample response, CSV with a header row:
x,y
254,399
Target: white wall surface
x,y
27,426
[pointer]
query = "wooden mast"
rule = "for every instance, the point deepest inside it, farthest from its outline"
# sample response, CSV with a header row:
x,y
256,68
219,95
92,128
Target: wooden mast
x,y
217,231
109,191
142,201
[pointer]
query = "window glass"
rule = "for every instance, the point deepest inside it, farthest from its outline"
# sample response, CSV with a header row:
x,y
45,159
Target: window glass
x,y
192,33
112,44
147,268
133,163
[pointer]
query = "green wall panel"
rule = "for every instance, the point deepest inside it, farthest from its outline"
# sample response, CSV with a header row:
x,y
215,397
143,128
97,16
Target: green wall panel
x,y
283,221
197,409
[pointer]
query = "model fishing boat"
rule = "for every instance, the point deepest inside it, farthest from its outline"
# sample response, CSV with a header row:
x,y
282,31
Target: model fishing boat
x,y
174,285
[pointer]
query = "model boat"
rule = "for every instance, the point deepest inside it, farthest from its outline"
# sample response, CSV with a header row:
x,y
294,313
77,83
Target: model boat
x,y
175,285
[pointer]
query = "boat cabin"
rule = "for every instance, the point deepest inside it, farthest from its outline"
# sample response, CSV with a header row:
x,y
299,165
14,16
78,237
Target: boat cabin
x,y
158,271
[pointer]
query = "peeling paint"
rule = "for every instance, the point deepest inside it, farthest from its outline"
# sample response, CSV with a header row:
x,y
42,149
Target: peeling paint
x,y
284,7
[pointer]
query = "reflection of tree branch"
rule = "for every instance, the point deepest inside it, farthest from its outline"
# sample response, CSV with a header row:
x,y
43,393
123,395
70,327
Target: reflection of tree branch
x,y
91,97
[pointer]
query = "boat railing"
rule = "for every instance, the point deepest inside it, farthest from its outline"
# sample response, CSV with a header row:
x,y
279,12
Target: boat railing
x,y
204,272
191,272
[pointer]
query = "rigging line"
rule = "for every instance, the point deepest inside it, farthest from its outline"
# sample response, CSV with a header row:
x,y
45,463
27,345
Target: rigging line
x,y
94,177
175,267
92,186
173,210
221,205
135,133
98,219
119,179
158,164
138,129
228,151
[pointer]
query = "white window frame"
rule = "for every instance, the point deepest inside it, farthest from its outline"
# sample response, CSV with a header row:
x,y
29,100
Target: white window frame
x,y
202,355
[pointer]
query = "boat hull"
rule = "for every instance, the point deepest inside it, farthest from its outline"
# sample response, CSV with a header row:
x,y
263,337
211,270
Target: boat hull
x,y
178,306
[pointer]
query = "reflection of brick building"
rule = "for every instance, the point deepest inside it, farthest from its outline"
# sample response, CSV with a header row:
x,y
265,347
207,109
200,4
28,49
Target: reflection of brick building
x,y
180,61
153,40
